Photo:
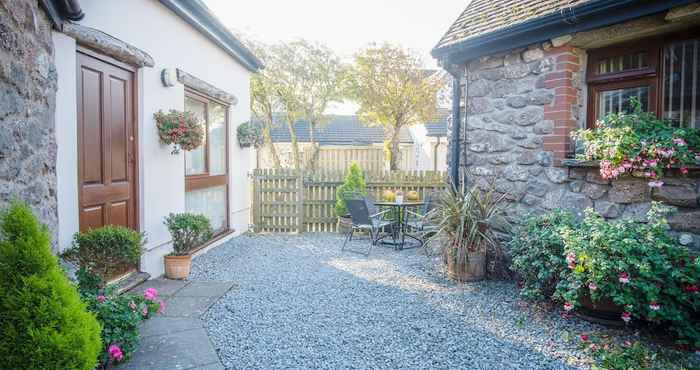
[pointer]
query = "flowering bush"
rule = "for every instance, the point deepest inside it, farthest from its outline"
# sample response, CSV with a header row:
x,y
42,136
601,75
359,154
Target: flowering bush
x,y
629,354
182,129
638,266
639,144
119,316
537,252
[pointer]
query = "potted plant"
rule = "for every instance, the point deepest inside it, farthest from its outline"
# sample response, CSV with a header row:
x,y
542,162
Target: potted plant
x,y
181,129
354,184
249,135
464,220
188,231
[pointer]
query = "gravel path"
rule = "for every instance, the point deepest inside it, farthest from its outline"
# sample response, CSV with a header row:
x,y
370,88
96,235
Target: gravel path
x,y
302,303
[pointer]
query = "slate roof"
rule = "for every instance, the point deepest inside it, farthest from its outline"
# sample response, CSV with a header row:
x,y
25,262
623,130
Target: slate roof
x,y
339,130
484,16
438,127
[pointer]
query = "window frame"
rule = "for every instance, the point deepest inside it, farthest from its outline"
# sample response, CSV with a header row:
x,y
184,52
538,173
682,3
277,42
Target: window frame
x,y
206,180
652,75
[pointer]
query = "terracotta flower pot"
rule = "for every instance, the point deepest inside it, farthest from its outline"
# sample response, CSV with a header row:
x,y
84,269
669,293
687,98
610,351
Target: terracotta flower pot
x,y
177,267
604,311
473,270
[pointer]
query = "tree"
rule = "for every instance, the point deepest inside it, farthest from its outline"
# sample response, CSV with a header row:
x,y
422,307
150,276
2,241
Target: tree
x,y
308,76
264,101
393,90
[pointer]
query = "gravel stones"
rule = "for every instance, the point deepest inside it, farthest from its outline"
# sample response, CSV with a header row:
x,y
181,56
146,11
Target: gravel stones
x,y
302,303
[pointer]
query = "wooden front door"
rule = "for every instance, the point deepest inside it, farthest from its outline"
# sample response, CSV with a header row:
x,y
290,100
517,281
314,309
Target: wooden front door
x,y
106,144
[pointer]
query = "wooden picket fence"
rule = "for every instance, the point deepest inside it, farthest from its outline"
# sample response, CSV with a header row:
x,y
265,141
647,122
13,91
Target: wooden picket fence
x,y
293,201
370,159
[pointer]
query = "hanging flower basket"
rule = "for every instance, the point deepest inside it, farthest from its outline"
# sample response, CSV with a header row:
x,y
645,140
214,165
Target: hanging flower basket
x,y
181,129
249,135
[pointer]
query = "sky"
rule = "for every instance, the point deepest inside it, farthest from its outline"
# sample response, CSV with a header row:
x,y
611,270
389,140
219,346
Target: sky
x,y
343,25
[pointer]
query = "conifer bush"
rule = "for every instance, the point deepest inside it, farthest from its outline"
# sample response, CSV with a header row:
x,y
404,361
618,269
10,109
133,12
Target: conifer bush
x,y
43,323
354,183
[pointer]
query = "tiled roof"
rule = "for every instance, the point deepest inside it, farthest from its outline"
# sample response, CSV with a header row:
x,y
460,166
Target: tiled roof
x,y
484,16
339,130
438,127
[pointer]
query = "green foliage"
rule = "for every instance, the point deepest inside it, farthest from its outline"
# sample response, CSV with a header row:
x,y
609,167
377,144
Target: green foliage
x,y
393,90
467,218
610,355
537,251
639,142
188,231
249,135
354,183
639,266
44,324
105,250
120,317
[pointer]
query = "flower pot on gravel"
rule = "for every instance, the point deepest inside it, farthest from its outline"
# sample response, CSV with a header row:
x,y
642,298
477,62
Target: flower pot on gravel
x,y
177,267
604,311
474,269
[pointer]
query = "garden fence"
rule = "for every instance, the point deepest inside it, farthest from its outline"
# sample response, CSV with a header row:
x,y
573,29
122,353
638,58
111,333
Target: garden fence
x,y
293,201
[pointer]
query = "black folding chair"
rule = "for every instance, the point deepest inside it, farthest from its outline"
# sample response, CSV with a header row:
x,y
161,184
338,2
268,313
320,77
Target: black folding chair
x,y
364,220
420,222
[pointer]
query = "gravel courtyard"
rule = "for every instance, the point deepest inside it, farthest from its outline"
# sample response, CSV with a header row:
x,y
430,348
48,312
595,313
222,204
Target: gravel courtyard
x,y
302,303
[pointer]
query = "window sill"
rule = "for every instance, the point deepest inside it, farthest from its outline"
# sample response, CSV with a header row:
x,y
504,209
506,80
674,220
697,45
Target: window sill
x,y
595,164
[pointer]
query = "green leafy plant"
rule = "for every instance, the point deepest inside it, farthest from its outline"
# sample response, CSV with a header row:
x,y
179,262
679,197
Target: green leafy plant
x,y
44,324
640,144
248,135
354,184
611,355
119,317
188,231
181,129
106,251
466,218
537,251
638,266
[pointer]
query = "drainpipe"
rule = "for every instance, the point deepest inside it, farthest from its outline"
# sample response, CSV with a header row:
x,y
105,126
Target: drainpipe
x,y
456,123
72,10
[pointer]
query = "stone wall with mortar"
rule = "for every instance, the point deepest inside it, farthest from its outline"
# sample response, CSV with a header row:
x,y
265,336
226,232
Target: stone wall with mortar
x,y
27,101
521,109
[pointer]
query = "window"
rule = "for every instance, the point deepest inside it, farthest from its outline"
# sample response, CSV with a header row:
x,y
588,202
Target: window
x,y
206,168
662,73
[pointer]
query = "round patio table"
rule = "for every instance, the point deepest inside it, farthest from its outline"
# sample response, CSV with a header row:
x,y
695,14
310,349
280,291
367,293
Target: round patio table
x,y
400,233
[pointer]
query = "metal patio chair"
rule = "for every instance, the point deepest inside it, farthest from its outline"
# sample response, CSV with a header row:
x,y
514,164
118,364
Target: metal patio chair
x,y
419,221
363,220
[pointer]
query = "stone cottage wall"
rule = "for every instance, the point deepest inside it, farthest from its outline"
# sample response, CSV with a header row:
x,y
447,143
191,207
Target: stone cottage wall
x,y
521,108
27,100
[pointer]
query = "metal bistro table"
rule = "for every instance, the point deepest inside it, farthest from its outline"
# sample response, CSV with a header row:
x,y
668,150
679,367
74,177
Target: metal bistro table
x,y
401,217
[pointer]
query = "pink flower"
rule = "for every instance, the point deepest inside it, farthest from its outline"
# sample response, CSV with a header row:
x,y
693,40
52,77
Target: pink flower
x,y
654,306
684,170
656,184
568,306
161,307
132,305
570,260
627,344
584,338
592,286
101,298
115,353
626,317
593,347
150,294
678,141
144,311
624,277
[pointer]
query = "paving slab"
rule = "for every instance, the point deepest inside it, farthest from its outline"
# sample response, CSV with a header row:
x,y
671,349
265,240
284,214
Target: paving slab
x,y
184,350
177,306
214,366
205,289
165,287
161,325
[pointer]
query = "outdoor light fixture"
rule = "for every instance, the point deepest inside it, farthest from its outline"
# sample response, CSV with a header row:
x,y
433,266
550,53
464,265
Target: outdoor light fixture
x,y
167,76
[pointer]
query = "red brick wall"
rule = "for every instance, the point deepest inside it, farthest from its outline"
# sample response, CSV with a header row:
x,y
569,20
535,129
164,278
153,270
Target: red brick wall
x,y
566,64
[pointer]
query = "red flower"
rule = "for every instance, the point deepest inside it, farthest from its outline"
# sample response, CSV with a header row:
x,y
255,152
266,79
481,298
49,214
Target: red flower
x,y
584,338
626,317
690,288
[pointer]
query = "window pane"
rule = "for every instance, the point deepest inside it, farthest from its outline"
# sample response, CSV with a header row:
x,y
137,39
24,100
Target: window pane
x,y
616,101
195,161
217,139
210,202
623,63
681,83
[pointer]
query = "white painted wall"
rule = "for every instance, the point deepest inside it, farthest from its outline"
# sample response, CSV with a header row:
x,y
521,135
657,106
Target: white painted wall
x,y
172,43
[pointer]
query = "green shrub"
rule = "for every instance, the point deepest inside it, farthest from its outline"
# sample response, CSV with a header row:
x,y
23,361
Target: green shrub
x,y
639,266
105,250
43,323
354,183
537,252
188,231
611,355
